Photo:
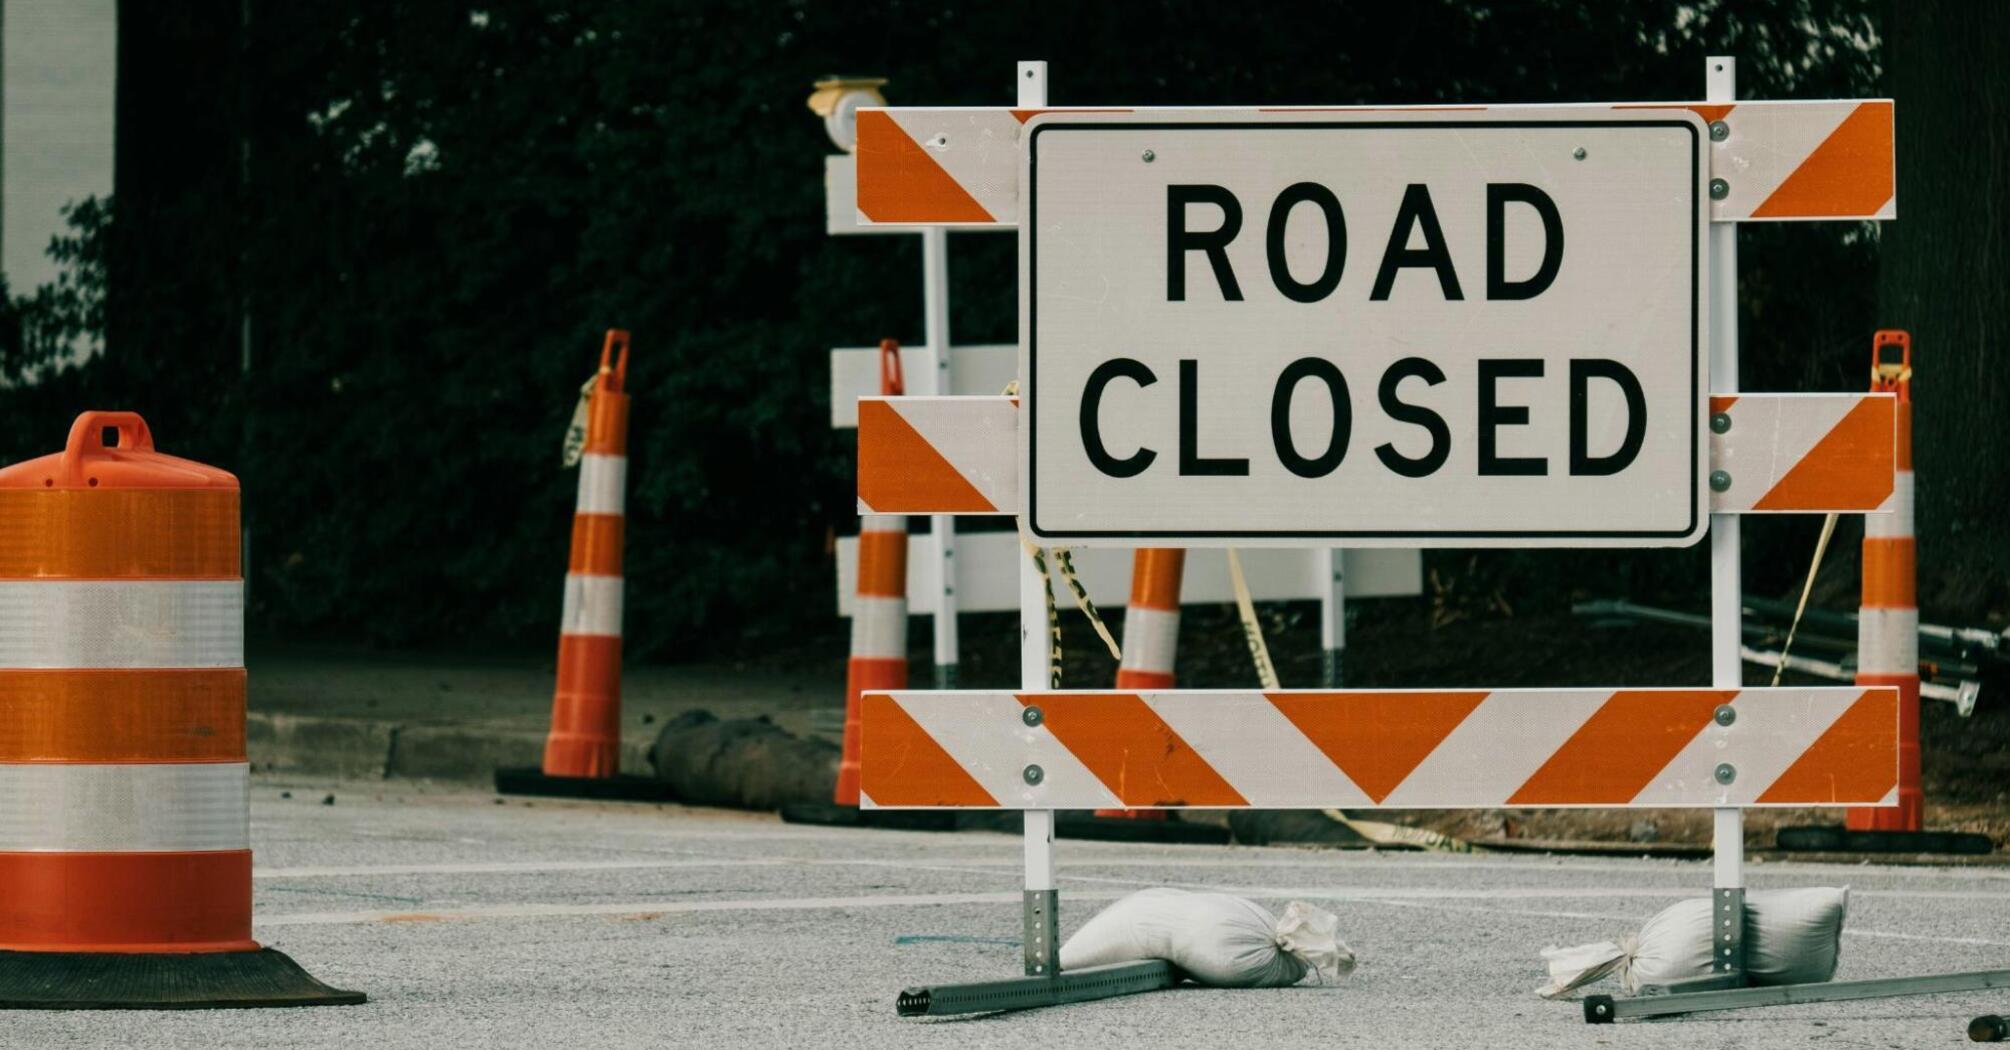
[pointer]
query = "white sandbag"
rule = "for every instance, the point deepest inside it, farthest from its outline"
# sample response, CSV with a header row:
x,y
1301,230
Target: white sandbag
x,y
1215,938
1791,937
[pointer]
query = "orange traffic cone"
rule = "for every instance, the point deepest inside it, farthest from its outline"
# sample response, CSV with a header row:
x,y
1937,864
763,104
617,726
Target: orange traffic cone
x,y
125,860
1887,633
1151,637
879,607
582,754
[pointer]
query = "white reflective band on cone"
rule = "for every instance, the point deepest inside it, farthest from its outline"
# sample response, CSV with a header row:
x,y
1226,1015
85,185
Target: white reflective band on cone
x,y
1898,522
1887,641
879,628
882,523
1151,638
125,807
603,484
592,605
121,623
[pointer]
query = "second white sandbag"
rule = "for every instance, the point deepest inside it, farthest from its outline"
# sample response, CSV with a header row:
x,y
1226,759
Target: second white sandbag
x,y
1215,938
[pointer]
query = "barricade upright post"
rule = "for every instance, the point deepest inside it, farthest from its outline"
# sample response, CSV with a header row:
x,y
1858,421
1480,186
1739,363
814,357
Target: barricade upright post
x,y
1332,617
935,322
1043,911
1726,566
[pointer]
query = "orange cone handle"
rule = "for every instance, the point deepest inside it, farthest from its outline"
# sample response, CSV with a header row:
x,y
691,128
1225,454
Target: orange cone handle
x,y
1151,635
1887,639
879,608
585,739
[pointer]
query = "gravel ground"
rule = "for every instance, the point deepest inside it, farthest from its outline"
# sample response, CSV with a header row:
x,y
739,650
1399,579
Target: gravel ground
x,y
477,923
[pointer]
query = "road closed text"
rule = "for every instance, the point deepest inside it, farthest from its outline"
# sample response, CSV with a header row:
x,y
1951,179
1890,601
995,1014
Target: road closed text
x,y
1463,332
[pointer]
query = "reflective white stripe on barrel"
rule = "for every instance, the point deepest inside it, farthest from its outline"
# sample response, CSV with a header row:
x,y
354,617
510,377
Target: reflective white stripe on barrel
x,y
127,807
603,484
879,628
1151,639
121,623
592,605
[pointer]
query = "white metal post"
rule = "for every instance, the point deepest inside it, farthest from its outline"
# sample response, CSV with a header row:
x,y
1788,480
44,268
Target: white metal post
x,y
1332,615
1726,586
935,320
1042,900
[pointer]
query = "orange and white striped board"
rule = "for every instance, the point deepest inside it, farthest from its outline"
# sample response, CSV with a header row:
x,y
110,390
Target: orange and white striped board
x,y
1780,161
1828,452
1807,453
1428,749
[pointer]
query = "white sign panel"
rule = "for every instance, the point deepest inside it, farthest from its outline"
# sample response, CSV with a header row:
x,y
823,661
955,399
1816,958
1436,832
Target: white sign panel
x,y
1442,328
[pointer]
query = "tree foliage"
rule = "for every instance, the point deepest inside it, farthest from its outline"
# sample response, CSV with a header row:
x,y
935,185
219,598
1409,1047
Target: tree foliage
x,y
439,207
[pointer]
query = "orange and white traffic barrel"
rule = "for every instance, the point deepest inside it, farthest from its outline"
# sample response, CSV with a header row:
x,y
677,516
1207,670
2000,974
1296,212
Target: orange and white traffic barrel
x,y
125,854
585,738
1151,636
879,607
1887,633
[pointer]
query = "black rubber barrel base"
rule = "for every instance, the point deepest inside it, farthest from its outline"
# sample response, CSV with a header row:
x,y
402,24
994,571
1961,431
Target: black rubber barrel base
x,y
202,981
622,787
832,815
1989,1028
1835,838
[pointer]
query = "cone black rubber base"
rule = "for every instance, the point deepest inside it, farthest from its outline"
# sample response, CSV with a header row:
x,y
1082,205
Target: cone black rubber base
x,y
203,981
832,815
1118,829
622,787
1835,838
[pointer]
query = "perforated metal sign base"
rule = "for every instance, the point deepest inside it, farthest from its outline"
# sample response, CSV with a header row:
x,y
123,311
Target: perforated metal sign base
x,y
204,981
622,787
1023,993
1605,1009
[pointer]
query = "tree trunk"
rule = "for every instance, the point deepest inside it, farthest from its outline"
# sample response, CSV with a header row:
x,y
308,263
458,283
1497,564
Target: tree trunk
x,y
1944,275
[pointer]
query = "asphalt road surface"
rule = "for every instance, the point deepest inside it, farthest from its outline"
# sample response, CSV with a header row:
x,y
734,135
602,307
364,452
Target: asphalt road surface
x,y
547,924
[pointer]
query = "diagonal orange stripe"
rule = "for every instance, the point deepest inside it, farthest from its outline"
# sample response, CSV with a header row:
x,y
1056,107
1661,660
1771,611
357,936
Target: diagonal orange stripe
x,y
1855,761
1850,468
1722,402
1132,750
1850,173
899,182
1377,739
901,765
899,471
1621,747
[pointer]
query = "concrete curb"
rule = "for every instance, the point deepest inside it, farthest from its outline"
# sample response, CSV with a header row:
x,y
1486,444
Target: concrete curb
x,y
355,748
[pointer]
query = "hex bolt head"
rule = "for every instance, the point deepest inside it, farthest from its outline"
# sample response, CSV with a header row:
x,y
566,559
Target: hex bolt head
x,y
1726,715
1719,131
1720,423
1034,774
1150,156
1031,716
1719,189
1726,772
1720,480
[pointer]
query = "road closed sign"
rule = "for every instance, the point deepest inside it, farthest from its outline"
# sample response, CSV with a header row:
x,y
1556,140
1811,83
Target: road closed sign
x,y
1440,327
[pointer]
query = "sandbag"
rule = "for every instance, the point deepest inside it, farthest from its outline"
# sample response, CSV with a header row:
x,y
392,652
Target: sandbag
x,y
1217,939
1791,937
